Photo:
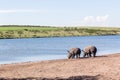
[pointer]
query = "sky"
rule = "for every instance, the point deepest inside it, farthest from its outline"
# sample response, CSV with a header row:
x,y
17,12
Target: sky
x,y
60,12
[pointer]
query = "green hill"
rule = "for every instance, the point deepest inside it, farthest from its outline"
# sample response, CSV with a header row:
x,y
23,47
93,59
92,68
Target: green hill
x,y
18,31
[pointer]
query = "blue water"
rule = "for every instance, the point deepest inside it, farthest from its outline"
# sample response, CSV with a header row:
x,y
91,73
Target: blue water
x,y
37,49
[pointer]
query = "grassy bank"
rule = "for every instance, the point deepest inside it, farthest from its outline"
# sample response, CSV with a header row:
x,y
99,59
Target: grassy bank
x,y
46,31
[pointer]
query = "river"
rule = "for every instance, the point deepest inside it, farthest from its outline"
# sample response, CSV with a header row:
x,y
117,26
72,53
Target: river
x,y
38,49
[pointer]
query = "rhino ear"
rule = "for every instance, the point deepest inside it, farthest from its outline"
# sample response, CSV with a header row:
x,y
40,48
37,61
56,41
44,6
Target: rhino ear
x,y
83,50
68,51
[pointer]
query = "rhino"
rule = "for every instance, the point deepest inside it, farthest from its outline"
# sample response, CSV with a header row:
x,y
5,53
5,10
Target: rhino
x,y
74,53
89,51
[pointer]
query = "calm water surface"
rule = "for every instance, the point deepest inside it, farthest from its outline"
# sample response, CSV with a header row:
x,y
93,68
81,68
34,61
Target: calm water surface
x,y
37,49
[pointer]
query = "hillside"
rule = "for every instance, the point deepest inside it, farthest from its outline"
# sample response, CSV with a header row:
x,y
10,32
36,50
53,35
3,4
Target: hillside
x,y
17,31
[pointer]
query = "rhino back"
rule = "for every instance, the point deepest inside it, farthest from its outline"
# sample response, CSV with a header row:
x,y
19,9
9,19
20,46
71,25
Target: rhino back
x,y
75,50
90,48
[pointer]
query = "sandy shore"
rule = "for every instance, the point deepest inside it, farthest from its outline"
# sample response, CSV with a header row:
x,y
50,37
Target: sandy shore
x,y
105,67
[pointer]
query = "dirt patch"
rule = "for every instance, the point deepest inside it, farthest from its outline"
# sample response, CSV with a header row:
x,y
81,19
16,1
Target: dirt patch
x,y
105,67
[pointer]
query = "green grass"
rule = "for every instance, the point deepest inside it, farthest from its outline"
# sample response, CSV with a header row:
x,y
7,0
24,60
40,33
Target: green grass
x,y
28,28
17,31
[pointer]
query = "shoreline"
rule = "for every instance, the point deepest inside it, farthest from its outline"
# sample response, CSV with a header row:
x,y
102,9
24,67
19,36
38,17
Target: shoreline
x,y
105,67
59,59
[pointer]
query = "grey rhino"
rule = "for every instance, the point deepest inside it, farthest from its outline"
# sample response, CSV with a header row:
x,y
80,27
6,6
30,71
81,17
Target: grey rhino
x,y
74,53
89,51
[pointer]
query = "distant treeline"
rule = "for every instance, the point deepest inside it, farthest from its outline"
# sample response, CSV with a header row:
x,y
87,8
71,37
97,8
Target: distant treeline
x,y
22,26
27,31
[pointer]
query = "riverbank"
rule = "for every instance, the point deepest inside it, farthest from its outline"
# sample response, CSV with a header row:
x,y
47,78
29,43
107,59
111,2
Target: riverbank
x,y
106,67
16,31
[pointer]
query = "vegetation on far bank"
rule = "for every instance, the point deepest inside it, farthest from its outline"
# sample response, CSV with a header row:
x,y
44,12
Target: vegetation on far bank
x,y
16,31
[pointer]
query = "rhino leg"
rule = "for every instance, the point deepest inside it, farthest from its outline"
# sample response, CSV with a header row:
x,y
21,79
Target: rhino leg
x,y
93,53
73,56
89,54
84,54
77,55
